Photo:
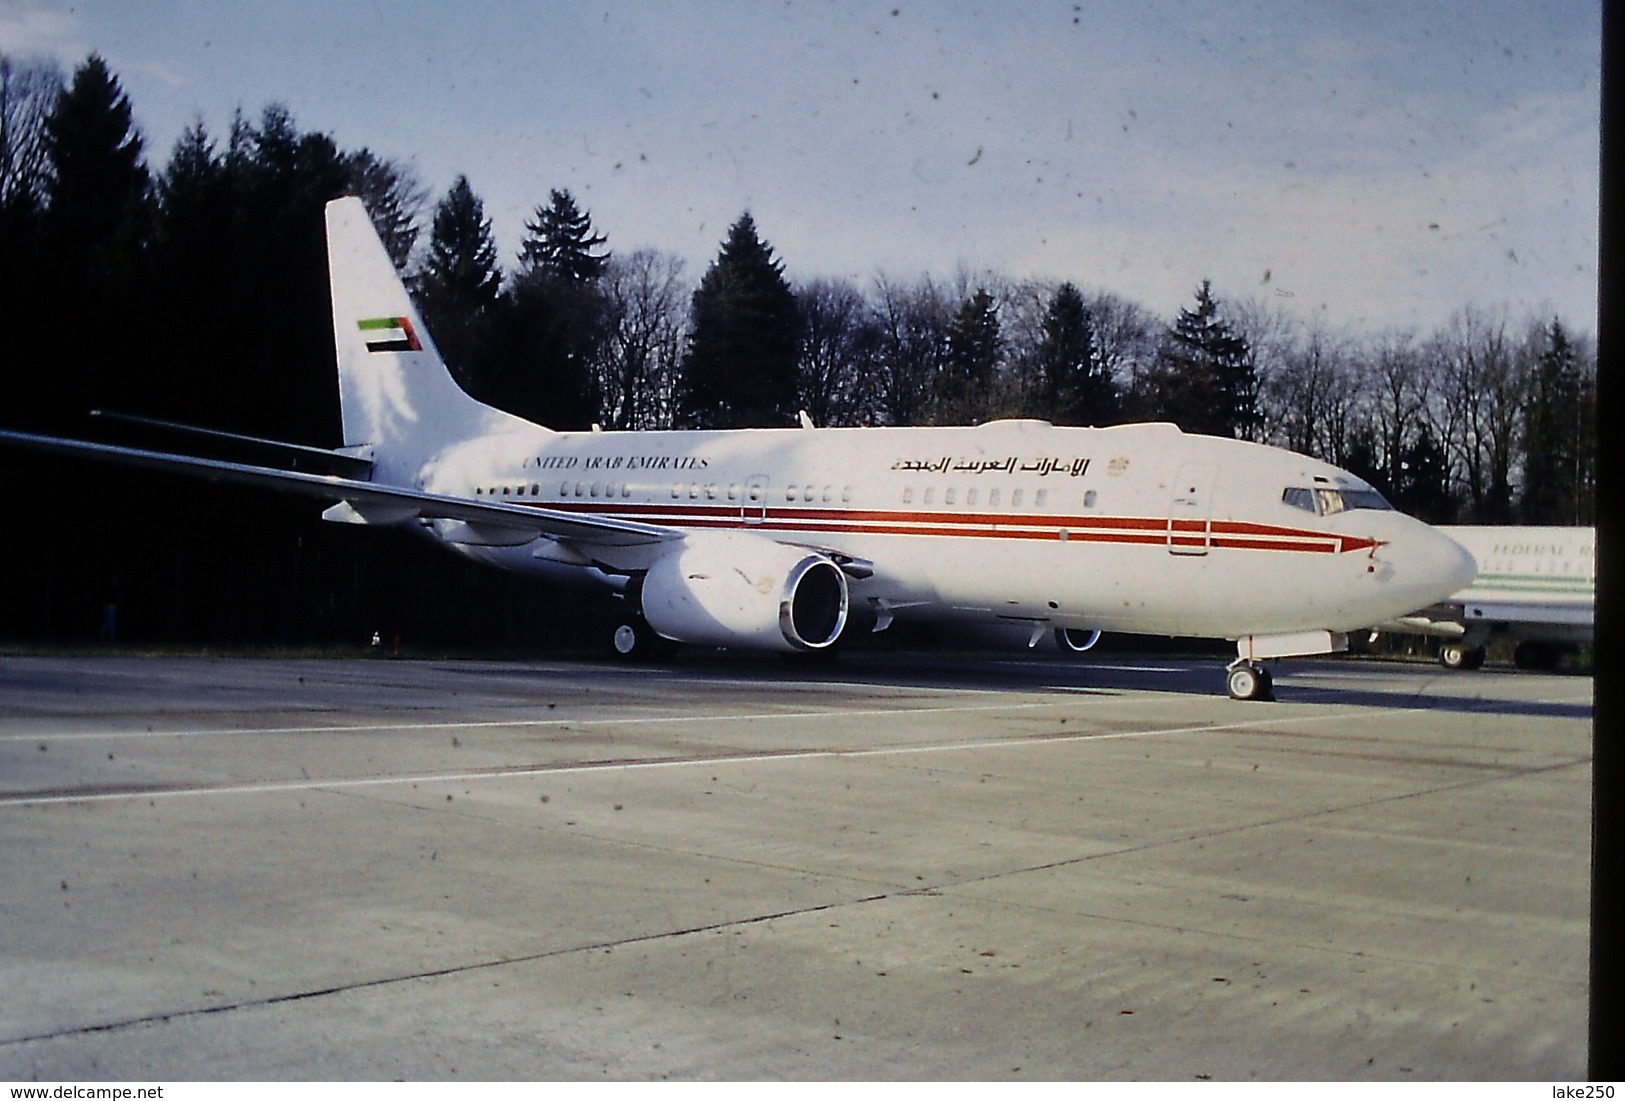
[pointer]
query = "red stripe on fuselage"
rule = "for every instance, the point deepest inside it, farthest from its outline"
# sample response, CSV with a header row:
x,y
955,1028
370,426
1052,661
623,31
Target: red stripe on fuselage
x,y
1141,530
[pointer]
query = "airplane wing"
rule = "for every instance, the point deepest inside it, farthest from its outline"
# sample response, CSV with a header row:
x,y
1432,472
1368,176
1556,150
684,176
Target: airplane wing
x,y
368,499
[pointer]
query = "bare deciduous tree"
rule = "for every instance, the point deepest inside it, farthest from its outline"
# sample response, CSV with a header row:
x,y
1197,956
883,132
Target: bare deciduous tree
x,y
839,342
28,95
647,300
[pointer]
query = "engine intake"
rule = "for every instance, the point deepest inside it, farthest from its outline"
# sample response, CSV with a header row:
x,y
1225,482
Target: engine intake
x,y
739,589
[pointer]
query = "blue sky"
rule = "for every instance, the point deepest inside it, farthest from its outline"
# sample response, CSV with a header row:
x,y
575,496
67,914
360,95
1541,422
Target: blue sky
x,y
1374,164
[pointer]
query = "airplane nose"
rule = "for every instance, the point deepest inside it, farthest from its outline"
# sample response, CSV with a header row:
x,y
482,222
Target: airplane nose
x,y
1415,565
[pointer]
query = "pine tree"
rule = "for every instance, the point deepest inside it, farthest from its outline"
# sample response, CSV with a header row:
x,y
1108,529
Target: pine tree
x,y
970,361
462,258
535,355
394,200
559,243
200,234
288,176
1553,433
740,369
548,328
1077,387
96,232
1205,379
1422,487
460,283
99,187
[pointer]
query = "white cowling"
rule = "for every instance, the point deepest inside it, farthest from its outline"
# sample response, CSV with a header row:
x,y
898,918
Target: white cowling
x,y
733,588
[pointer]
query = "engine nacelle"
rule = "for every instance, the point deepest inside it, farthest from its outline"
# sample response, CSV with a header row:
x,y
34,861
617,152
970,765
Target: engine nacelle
x,y
733,588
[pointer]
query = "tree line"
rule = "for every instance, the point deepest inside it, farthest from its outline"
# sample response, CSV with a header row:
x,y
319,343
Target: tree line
x,y
196,292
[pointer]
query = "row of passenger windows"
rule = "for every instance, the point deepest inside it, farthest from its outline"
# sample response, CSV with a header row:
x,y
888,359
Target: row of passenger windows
x,y
580,489
996,497
692,490
806,494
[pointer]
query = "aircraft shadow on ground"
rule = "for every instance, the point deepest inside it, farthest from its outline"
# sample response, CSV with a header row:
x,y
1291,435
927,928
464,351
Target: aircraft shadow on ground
x,y
1180,675
1413,701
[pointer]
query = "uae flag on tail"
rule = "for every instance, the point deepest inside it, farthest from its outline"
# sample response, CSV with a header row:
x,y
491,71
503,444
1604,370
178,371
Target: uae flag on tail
x,y
389,334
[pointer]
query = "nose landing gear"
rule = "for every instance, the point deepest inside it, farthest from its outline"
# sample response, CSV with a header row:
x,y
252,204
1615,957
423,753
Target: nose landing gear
x,y
1249,680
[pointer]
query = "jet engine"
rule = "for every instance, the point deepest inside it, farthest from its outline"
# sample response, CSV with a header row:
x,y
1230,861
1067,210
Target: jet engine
x,y
737,589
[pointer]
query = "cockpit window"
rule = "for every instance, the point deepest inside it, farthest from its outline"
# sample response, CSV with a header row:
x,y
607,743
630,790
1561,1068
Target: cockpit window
x,y
1298,497
1366,498
1324,501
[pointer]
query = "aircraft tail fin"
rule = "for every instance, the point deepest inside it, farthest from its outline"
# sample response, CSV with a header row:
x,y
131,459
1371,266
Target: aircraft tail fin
x,y
398,400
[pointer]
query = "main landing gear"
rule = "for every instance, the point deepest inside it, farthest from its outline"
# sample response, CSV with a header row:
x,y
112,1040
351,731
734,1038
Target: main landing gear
x,y
1459,655
1248,680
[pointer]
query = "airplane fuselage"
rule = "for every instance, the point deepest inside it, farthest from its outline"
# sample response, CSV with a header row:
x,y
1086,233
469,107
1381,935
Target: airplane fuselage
x,y
1136,528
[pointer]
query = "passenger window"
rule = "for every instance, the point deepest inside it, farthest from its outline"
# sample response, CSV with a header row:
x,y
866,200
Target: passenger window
x,y
970,497
993,498
1040,498
930,494
807,494
790,492
1089,499
908,495
1015,498
949,494
846,496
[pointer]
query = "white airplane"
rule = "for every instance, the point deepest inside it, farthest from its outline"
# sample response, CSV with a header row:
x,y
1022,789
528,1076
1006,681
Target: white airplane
x,y
1536,586
791,539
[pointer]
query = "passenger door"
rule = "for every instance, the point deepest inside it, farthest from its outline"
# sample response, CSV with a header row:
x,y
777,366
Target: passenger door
x,y
1190,525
